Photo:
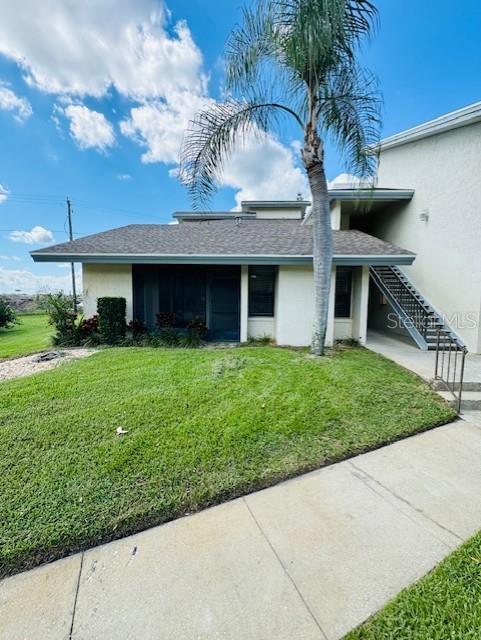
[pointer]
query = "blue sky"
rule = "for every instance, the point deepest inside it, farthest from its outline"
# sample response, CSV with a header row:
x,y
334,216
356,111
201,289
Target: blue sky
x,y
94,108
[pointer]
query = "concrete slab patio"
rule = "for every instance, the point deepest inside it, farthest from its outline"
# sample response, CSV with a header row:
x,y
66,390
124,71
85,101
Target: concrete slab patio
x,y
309,558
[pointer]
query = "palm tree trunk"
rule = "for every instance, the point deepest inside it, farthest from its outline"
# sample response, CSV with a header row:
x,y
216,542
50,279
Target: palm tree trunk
x,y
322,237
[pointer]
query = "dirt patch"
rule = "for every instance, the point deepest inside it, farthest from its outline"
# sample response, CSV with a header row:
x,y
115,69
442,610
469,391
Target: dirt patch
x,y
26,365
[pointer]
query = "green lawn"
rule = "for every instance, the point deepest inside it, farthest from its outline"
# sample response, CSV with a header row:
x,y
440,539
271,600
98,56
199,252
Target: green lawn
x,y
445,605
31,335
203,426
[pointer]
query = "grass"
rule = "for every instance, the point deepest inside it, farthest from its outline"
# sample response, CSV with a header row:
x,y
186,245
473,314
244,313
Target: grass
x,y
446,604
203,426
31,335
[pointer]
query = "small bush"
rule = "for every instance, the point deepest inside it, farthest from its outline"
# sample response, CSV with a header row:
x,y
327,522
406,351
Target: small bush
x,y
7,315
137,328
111,313
87,327
190,340
63,319
261,341
151,340
169,338
165,320
197,325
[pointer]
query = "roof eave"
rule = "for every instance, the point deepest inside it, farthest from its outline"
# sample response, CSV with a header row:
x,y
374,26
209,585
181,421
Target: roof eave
x,y
219,215
453,120
375,195
338,259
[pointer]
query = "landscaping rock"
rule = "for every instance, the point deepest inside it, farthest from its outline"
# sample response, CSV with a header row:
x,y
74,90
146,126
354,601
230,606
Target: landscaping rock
x,y
49,355
25,366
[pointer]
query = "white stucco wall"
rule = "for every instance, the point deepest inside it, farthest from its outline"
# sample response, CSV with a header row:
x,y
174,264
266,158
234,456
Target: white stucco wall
x,y
294,305
279,214
295,308
106,280
335,215
342,328
261,327
360,303
445,171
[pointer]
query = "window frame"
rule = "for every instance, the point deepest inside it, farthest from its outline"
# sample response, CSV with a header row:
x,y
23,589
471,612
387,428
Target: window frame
x,y
271,270
348,270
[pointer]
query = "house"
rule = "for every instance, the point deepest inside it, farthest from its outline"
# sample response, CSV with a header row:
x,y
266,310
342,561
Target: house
x,y
247,274
439,164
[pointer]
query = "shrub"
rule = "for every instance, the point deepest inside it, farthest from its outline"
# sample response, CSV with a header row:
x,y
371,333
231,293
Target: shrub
x,y
63,319
111,313
198,326
190,340
87,327
169,338
7,315
261,341
165,320
137,328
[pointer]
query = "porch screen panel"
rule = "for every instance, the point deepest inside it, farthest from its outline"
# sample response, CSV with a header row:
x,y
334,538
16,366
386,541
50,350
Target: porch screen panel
x,y
145,293
164,277
189,294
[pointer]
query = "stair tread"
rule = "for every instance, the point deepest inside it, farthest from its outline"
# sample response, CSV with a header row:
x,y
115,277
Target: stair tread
x,y
397,285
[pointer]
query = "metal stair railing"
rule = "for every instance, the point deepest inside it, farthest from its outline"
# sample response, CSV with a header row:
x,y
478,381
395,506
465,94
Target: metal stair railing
x,y
449,366
415,315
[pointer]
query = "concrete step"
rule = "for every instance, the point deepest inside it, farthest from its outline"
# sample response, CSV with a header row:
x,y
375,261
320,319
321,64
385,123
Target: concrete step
x,y
470,400
467,386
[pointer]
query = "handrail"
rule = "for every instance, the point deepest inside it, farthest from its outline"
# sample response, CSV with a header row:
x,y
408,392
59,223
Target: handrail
x,y
441,315
450,373
419,313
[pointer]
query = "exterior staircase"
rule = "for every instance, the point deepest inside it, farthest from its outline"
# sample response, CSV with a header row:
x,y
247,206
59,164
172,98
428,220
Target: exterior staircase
x,y
418,317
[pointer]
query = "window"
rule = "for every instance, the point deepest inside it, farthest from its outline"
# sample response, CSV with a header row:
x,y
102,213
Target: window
x,y
262,283
343,292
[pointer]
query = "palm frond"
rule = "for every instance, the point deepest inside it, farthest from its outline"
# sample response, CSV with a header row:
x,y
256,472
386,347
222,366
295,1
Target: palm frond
x,y
213,136
317,34
350,112
248,47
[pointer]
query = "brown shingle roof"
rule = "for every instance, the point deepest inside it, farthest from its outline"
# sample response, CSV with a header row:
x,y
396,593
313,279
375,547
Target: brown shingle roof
x,y
221,238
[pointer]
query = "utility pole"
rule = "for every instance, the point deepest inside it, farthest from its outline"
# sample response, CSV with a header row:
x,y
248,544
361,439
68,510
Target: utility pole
x,y
72,266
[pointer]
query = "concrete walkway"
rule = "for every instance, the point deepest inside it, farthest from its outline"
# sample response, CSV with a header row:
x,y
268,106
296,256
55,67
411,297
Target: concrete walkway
x,y
307,559
406,353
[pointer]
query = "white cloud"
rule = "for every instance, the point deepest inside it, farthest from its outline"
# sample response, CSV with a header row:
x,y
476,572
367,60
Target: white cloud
x,y
90,129
124,177
160,126
27,282
9,101
130,47
264,169
14,258
36,235
93,46
3,193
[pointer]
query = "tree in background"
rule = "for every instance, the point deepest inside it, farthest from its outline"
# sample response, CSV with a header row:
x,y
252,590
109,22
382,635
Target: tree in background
x,y
294,58
7,315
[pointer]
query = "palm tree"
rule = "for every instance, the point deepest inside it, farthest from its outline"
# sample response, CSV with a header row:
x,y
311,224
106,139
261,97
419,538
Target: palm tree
x,y
294,58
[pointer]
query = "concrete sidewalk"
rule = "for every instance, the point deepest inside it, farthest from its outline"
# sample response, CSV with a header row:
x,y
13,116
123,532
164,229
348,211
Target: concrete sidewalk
x,y
406,353
307,559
